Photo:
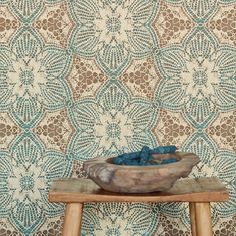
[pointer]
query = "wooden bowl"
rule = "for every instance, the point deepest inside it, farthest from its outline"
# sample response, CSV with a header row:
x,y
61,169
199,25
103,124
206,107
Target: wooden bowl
x,y
140,179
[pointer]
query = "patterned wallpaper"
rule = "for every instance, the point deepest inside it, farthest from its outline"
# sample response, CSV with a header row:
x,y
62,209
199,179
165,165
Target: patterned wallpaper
x,y
87,78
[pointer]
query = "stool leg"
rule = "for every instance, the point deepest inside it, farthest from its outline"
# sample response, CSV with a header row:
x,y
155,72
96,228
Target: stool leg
x,y
193,218
73,217
203,219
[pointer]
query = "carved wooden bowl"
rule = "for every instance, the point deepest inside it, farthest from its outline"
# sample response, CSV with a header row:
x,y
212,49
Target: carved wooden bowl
x,y
140,179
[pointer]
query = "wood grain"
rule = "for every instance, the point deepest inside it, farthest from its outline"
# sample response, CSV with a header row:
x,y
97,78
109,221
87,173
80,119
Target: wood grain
x,y
203,219
185,190
73,217
193,218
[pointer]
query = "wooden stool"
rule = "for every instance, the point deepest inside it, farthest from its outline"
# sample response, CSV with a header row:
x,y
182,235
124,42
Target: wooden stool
x,y
198,192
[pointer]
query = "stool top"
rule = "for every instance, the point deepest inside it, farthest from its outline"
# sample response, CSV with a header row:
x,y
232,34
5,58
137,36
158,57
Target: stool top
x,y
207,189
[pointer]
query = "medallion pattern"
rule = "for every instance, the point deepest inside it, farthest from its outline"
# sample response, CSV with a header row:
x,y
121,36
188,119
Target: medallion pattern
x,y
119,219
171,227
114,31
94,78
26,173
112,124
201,10
27,10
78,170
226,227
214,162
30,77
199,78
51,227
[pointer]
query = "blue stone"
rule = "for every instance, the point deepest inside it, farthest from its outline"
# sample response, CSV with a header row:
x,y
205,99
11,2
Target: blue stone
x,y
144,157
164,149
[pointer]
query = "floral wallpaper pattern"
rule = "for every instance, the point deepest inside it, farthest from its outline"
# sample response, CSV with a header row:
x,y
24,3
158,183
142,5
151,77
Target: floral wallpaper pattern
x,y
94,78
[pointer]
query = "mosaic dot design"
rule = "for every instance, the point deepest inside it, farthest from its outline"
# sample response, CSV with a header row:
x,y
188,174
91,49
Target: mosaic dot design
x,y
84,79
26,183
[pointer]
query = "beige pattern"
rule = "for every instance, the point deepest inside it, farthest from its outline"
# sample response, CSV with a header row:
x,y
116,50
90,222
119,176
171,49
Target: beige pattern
x,y
171,227
226,227
54,24
8,130
55,130
51,227
172,129
27,79
223,131
223,24
7,229
85,77
8,24
78,170
142,78
172,24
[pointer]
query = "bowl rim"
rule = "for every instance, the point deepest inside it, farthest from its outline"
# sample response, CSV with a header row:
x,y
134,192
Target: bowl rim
x,y
184,157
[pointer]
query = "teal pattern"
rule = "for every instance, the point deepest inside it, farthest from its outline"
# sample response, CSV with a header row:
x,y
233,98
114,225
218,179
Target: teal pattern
x,y
135,219
199,78
214,162
112,124
30,77
114,31
26,174
81,79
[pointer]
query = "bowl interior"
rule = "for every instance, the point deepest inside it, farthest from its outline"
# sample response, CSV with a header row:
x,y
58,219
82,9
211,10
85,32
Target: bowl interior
x,y
158,157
